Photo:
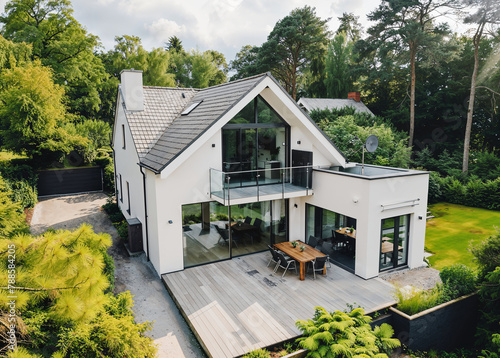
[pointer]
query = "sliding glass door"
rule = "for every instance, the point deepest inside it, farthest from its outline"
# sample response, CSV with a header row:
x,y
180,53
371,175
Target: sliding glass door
x,y
394,242
207,229
336,234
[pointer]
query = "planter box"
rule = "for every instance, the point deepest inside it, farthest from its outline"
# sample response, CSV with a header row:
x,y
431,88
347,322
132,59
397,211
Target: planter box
x,y
298,354
447,326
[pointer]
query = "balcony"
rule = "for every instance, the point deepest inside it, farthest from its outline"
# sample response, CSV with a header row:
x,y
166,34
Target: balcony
x,y
240,187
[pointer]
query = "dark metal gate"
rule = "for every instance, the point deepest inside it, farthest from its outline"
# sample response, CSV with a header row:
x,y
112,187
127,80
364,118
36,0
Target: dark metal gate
x,y
70,181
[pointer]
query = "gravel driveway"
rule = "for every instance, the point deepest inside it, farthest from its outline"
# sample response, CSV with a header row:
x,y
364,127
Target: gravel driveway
x,y
152,301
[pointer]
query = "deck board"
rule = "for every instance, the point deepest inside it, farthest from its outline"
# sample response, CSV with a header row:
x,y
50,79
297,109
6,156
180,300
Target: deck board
x,y
238,305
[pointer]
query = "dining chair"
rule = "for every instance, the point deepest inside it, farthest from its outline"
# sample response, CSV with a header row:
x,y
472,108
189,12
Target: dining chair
x,y
275,257
224,235
319,264
248,220
313,241
285,263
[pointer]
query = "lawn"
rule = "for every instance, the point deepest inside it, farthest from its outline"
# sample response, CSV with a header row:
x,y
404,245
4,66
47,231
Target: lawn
x,y
448,235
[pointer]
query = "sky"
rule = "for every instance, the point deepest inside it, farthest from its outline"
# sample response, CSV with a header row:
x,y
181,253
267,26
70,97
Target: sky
x,y
222,25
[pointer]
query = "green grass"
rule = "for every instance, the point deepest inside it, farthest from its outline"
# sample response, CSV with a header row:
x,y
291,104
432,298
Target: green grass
x,y
448,235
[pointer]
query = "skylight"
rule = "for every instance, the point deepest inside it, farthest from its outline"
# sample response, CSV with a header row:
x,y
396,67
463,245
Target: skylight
x,y
190,108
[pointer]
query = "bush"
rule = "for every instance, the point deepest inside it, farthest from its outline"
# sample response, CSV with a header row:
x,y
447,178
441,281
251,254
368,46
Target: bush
x,y
345,335
21,181
257,353
416,301
474,192
459,280
117,218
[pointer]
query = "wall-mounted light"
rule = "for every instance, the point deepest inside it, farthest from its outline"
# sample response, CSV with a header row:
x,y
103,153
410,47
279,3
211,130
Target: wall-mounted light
x,y
213,145
420,217
295,206
355,200
298,142
170,222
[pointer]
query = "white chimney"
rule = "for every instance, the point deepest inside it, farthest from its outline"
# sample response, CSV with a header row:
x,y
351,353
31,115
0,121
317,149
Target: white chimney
x,y
133,93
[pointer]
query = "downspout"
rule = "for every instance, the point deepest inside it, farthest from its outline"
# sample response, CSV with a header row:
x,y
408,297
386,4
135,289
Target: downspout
x,y
114,164
145,212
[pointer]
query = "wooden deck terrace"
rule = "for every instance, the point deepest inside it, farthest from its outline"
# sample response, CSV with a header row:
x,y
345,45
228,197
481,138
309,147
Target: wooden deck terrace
x,y
238,305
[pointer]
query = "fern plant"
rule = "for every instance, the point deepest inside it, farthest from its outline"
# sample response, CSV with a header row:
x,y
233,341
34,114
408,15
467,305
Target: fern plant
x,y
341,334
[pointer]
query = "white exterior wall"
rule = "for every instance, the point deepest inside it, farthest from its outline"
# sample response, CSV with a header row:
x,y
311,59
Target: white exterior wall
x,y
189,184
361,199
126,164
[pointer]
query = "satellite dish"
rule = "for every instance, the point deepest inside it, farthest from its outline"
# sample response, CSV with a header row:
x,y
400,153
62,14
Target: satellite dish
x,y
371,143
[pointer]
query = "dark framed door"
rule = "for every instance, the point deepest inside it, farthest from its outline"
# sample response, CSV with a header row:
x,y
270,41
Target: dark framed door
x,y
394,242
302,176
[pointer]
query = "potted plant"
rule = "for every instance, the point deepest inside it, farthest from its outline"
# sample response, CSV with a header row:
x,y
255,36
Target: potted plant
x,y
302,247
294,244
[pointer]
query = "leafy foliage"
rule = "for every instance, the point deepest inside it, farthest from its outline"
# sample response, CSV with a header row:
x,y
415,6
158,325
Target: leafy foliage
x,y
340,334
349,133
32,112
293,43
459,280
257,353
12,220
61,43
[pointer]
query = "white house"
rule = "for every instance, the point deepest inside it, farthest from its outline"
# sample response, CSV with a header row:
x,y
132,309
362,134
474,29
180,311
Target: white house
x,y
353,100
188,159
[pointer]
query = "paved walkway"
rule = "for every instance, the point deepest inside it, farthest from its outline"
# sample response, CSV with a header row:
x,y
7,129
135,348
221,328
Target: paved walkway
x,y
152,301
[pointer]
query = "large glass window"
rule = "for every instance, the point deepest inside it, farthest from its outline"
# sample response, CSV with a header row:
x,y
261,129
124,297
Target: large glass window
x,y
255,142
394,242
207,230
336,234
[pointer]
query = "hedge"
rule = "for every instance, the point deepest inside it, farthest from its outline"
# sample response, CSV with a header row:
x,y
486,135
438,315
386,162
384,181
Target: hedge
x,y
475,192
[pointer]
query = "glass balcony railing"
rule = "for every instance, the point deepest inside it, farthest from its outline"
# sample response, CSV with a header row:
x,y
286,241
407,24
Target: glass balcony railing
x,y
258,183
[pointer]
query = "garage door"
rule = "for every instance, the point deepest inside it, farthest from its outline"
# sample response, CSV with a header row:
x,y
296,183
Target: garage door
x,y
69,181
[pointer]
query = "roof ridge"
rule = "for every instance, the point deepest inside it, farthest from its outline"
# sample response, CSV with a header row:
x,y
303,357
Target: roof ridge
x,y
237,81
172,88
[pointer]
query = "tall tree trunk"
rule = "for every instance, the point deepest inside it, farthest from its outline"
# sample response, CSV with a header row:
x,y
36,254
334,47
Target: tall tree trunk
x,y
470,110
413,55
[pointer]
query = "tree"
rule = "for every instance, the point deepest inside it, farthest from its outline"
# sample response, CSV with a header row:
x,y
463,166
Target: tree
x,y
338,79
198,69
174,44
32,114
350,26
61,302
12,54
488,12
487,257
340,334
129,53
408,25
245,63
61,43
291,46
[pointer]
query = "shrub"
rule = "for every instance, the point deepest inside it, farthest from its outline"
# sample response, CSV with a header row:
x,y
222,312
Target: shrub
x,y
459,280
417,301
345,335
23,193
21,181
257,353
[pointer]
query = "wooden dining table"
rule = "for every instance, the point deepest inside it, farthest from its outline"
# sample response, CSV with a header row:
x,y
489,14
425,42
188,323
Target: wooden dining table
x,y
302,257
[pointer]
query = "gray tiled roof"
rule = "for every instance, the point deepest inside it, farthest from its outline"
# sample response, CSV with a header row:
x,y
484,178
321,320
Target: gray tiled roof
x,y
180,131
161,106
322,103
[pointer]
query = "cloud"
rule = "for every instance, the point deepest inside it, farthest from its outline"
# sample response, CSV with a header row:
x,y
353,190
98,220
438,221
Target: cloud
x,y
163,29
